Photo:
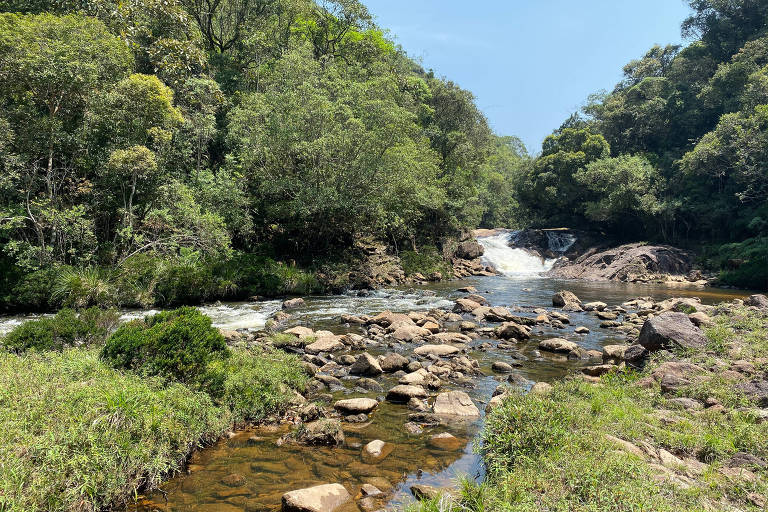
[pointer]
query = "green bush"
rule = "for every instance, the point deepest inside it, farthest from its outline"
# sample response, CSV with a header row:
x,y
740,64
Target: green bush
x,y
66,329
425,262
177,345
744,264
34,291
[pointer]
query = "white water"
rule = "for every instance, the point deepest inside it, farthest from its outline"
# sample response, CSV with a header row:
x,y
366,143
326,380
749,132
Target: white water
x,y
510,261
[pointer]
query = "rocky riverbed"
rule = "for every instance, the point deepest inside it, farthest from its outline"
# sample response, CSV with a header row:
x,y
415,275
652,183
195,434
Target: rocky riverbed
x,y
396,397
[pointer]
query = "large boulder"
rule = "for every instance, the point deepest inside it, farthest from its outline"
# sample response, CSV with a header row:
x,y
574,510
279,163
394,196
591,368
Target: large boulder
x,y
326,344
671,330
465,306
757,300
356,405
558,345
366,364
321,498
469,250
455,403
293,303
511,330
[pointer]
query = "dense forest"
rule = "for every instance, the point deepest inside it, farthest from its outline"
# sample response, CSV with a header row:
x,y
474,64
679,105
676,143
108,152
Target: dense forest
x,y
164,152
677,152
167,152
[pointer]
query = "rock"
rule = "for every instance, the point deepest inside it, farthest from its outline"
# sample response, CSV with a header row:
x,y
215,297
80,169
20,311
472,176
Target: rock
x,y
412,428
581,330
369,385
376,451
431,326
598,370
595,306
626,446
445,441
757,300
746,460
671,330
393,362
465,306
614,352
634,353
410,332
366,364
321,498
450,337
607,315
566,299
502,367
541,388
511,330
403,392
370,490
478,298
438,350
700,319
388,318
688,404
415,404
628,263
558,345
323,432
328,344
299,331
467,289
756,390
293,303
233,480
469,250
420,377
497,314
425,492
356,405
455,403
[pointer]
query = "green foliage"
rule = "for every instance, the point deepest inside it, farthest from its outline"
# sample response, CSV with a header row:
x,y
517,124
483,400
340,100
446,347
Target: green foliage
x,y
743,264
179,345
426,261
66,329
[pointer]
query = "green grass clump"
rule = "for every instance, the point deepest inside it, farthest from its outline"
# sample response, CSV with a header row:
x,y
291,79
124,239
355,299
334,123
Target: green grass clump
x,y
179,345
66,329
79,435
281,339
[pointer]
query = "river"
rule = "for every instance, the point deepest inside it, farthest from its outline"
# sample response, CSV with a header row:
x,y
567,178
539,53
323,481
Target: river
x,y
270,471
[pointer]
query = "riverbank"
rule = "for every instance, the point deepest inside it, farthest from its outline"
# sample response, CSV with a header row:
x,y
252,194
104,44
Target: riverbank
x,y
687,432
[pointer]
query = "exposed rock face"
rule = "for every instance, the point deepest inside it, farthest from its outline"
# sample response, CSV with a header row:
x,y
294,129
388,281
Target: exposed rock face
x,y
455,403
321,432
670,330
629,263
378,268
469,250
566,300
757,300
321,498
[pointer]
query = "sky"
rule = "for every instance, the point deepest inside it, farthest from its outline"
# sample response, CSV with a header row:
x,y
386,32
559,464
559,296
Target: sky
x,y
530,63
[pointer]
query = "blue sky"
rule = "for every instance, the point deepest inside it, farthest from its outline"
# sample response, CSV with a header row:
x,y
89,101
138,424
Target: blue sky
x,y
530,63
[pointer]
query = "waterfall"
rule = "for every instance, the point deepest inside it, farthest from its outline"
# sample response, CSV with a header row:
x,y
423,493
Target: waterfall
x,y
560,242
511,261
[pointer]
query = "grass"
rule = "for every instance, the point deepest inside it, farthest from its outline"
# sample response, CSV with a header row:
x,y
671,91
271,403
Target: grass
x,y
550,452
80,435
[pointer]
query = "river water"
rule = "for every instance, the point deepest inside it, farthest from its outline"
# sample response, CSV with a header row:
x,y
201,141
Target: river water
x,y
269,470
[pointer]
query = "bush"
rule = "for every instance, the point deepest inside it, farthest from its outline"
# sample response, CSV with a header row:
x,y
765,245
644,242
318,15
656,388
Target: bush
x,y
744,264
178,345
84,287
424,262
66,329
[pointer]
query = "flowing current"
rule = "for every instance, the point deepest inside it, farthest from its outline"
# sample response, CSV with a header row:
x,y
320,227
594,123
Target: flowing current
x,y
512,261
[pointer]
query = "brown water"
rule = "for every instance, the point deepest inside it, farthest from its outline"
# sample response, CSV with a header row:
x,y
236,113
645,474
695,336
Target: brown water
x,y
270,470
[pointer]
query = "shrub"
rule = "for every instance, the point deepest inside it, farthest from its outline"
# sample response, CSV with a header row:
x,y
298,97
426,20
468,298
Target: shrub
x,y
178,345
34,291
83,287
425,262
66,329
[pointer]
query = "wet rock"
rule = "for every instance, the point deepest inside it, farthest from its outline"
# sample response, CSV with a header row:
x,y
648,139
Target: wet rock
x,y
402,393
415,404
437,350
347,359
562,317
595,306
393,362
233,480
455,403
425,492
557,345
670,330
420,377
465,306
354,320
511,330
607,315
413,366
498,314
293,303
388,319
322,432
366,364
581,330
431,326
412,428
469,250
309,412
445,441
376,451
566,300
321,498
370,490
467,289
356,405
502,367
467,326
327,344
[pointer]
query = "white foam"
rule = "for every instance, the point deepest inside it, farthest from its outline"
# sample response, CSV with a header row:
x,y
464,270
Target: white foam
x,y
511,261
